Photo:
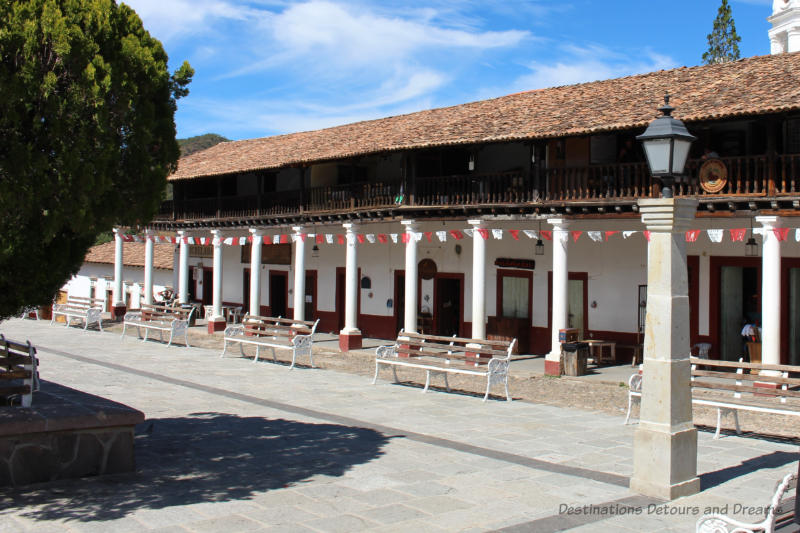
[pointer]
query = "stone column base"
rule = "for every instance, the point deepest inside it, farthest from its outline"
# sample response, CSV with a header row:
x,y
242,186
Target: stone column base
x,y
118,312
216,324
552,365
653,448
349,341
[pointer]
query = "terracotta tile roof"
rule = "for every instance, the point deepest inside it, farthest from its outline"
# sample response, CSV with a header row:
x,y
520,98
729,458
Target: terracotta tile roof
x,y
132,254
752,86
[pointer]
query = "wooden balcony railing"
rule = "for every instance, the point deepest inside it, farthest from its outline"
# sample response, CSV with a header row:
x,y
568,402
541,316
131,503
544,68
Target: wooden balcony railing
x,y
747,176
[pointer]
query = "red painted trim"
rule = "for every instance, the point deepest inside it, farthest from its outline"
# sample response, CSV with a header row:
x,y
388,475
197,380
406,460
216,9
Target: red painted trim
x,y
715,268
436,278
328,321
787,263
377,326
572,275
539,342
349,342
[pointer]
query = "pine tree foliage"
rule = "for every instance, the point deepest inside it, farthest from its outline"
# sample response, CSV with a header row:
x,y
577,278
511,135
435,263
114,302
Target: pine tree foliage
x,y
723,41
87,136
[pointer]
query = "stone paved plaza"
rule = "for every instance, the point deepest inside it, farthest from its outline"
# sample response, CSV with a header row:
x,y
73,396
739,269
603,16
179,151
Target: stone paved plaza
x,y
229,445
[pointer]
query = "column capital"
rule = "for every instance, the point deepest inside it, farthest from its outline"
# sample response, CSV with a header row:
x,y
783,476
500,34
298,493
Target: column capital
x,y
559,223
181,232
256,231
477,222
149,232
350,227
216,232
298,229
410,225
667,215
769,221
117,230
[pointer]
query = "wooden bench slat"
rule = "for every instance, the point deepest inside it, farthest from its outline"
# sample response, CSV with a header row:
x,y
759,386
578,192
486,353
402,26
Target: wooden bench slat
x,y
454,347
744,388
16,389
736,364
498,342
440,355
16,374
747,377
14,360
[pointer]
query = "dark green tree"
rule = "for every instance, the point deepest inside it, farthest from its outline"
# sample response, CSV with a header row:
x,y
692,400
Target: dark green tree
x,y
723,41
87,136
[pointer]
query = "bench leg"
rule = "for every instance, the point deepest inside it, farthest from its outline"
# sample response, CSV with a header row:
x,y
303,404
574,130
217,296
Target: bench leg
x,y
100,325
736,421
170,339
294,356
257,354
311,357
224,348
630,405
719,422
394,371
85,324
508,396
488,387
146,333
186,338
446,384
275,356
375,379
124,327
427,381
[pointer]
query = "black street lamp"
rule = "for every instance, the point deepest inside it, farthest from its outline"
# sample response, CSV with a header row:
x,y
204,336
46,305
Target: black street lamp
x,y
666,143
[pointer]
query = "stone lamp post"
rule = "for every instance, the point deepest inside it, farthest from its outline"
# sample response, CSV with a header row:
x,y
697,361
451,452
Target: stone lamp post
x,y
665,442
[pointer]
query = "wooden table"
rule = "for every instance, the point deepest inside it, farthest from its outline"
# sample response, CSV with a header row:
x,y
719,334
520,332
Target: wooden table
x,y
596,350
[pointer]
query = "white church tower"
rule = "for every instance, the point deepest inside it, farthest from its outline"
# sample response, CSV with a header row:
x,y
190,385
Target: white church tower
x,y
785,33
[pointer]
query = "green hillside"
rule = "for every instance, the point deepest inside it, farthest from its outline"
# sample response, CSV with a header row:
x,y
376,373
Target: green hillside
x,y
199,142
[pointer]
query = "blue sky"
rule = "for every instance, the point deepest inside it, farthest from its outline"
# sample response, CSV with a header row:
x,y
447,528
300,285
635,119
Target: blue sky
x,y
265,67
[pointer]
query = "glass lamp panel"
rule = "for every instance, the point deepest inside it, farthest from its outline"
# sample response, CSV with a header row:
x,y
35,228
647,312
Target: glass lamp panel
x,y
681,153
657,151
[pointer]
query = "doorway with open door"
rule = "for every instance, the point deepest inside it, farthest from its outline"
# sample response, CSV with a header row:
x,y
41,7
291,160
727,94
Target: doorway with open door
x,y
278,293
448,300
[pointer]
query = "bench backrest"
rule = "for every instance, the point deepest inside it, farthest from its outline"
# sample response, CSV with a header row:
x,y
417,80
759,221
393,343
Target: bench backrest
x,y
782,506
80,302
18,369
154,311
279,326
739,377
472,350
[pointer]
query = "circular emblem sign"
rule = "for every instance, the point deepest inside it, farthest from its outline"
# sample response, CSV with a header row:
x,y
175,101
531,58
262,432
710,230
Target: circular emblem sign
x,y
427,269
713,175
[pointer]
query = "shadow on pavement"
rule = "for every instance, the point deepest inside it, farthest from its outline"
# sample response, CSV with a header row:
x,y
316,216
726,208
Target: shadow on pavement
x,y
771,460
205,457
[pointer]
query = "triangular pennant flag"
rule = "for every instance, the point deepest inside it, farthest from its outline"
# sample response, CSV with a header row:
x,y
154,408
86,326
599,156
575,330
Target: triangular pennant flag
x,y
417,236
484,232
797,234
429,236
266,239
382,238
320,238
781,233
497,234
646,235
530,233
457,235
692,234
514,234
190,240
715,235
371,238
441,235
405,237
276,239
576,235
360,238
340,238
610,233
329,238
303,236
626,234
469,232
393,236
228,241
284,239
596,236
547,234
243,240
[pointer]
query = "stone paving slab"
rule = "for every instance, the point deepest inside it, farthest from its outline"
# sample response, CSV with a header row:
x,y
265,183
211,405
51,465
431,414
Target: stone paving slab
x,y
229,445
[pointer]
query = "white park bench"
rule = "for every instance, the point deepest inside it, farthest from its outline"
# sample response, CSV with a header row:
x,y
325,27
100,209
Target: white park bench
x,y
88,310
161,318
274,333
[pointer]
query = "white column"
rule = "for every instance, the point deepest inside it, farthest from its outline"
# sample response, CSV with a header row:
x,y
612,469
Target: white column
x,y
793,40
351,283
665,442
183,269
117,295
216,313
148,266
411,304
478,281
770,291
559,305
255,271
299,274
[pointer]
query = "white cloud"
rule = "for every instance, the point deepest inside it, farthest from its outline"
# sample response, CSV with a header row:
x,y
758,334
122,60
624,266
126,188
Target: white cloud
x,y
170,19
590,63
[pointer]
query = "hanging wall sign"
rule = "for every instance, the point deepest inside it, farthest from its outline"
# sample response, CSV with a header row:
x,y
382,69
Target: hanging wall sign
x,y
713,175
505,262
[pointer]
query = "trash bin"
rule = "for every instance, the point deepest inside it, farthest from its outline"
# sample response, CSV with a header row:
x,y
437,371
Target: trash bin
x,y
573,358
